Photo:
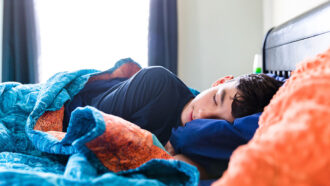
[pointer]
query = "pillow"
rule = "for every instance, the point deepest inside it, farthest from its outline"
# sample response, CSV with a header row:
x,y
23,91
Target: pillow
x,y
210,142
292,144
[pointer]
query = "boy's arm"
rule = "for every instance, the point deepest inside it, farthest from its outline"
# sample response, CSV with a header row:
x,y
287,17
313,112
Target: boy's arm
x,y
202,173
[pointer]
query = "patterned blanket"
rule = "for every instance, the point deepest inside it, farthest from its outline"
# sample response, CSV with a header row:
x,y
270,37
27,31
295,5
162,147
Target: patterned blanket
x,y
97,148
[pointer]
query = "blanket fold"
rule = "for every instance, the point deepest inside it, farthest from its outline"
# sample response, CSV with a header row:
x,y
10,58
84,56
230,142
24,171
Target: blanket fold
x,y
35,150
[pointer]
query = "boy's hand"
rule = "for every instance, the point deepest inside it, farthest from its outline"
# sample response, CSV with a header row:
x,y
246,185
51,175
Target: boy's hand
x,y
169,148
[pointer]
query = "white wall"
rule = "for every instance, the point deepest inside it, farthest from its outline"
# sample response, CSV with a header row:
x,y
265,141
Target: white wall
x,y
1,20
277,12
217,38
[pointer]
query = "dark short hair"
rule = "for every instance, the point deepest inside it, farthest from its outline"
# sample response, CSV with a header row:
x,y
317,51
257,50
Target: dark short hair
x,y
254,93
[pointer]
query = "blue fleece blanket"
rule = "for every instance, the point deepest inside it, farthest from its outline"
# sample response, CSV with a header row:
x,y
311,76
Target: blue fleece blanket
x,y
34,157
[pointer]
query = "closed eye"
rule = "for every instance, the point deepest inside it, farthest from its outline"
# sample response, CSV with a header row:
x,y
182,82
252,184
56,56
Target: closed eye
x,y
214,100
223,95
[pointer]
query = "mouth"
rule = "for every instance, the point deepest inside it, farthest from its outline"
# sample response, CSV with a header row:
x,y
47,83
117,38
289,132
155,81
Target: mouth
x,y
191,116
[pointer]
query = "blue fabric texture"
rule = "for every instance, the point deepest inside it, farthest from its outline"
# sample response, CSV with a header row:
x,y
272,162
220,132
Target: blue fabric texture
x,y
210,142
194,91
278,78
32,157
206,182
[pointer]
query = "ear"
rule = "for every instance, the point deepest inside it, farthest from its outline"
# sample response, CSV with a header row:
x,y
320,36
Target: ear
x,y
222,80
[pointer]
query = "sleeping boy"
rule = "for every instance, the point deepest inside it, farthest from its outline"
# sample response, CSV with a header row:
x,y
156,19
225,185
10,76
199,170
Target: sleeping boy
x,y
158,101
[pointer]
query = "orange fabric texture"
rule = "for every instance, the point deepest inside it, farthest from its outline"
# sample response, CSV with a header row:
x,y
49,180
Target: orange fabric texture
x,y
124,71
50,121
124,145
292,144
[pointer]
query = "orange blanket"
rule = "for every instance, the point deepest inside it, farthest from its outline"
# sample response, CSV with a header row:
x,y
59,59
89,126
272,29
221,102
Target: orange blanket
x,y
292,144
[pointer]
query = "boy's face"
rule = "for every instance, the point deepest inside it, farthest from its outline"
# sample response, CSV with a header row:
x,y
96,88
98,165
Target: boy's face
x,y
213,103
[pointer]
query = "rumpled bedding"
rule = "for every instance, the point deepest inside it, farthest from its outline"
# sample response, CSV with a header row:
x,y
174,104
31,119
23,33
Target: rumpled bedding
x,y
292,144
35,151
210,142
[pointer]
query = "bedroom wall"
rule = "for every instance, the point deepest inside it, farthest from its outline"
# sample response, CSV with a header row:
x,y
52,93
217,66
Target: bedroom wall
x,y
217,38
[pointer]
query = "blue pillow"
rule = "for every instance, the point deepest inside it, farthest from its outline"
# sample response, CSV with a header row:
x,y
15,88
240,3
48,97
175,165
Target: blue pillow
x,y
278,78
210,142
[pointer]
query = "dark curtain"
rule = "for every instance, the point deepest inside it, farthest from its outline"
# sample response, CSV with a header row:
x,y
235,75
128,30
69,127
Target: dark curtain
x,y
163,39
20,53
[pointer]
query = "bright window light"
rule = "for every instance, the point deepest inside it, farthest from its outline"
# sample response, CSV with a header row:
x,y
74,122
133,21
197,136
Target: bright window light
x,y
77,34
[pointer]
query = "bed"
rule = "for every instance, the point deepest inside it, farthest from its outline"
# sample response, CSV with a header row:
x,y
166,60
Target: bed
x,y
296,40
291,145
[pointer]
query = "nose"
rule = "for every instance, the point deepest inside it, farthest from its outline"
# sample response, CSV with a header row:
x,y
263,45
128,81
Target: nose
x,y
203,113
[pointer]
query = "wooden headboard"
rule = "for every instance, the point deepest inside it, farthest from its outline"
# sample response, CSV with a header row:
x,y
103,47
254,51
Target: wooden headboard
x,y
295,40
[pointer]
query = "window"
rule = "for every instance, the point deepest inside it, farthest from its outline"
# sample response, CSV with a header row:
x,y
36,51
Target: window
x,y
76,34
